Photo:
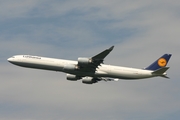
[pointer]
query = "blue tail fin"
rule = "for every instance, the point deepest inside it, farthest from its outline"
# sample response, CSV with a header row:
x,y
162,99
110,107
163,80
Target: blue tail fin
x,y
159,63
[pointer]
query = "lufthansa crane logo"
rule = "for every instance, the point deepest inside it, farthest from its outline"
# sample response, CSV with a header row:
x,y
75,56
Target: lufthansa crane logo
x,y
162,62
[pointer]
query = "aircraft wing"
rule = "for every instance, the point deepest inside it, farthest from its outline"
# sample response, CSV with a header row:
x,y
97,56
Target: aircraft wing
x,y
99,58
95,61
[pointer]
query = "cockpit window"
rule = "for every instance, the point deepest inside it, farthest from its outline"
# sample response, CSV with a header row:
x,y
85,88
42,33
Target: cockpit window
x,y
13,57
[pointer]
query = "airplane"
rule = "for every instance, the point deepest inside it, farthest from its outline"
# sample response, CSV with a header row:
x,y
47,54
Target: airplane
x,y
92,70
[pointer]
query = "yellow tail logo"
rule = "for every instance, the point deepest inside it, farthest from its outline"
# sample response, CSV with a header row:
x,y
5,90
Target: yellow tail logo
x,y
162,62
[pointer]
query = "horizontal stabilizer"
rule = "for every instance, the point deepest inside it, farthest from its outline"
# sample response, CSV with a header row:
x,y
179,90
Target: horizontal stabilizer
x,y
160,71
165,76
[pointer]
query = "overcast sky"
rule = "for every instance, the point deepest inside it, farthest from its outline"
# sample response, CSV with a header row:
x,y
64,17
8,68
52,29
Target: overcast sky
x,y
141,30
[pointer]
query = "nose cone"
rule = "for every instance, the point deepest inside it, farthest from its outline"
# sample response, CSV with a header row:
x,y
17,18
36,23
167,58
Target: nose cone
x,y
10,60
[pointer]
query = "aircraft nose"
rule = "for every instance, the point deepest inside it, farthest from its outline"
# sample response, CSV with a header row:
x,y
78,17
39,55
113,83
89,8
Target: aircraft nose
x,y
9,59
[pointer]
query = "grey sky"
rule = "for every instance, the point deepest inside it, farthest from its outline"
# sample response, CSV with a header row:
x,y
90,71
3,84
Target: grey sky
x,y
140,30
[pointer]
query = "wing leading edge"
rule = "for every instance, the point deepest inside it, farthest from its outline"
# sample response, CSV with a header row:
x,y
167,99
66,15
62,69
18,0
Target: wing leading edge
x,y
103,54
99,58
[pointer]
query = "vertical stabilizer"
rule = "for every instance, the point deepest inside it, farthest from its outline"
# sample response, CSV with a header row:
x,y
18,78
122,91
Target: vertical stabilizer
x,y
159,63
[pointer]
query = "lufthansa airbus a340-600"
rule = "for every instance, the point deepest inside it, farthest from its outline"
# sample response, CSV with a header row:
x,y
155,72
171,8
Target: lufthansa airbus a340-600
x,y
92,70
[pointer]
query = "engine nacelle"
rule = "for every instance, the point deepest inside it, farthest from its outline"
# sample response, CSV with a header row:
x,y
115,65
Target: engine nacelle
x,y
84,61
72,77
70,67
89,80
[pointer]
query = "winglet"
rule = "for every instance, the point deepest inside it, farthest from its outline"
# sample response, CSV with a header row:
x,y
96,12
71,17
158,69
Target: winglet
x,y
111,48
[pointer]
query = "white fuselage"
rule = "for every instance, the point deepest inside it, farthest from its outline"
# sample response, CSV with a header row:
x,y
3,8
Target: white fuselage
x,y
59,64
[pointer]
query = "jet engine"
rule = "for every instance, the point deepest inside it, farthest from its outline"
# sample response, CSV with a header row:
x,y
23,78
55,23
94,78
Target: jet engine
x,y
84,61
70,67
72,77
89,80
